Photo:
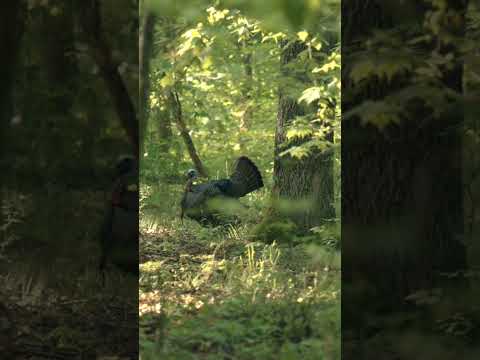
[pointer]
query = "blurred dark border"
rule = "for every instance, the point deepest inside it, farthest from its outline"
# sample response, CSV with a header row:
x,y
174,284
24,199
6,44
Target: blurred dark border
x,y
68,108
409,240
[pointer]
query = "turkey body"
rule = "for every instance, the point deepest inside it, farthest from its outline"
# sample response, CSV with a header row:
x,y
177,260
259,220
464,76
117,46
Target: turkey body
x,y
119,233
209,202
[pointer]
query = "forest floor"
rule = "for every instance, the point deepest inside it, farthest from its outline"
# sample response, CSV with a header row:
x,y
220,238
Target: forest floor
x,y
215,293
60,327
53,304
219,293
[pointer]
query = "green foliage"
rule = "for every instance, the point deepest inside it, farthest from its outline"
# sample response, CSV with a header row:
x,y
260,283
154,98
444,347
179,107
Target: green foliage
x,y
261,331
241,107
281,231
329,234
320,129
197,67
411,60
253,289
211,292
276,14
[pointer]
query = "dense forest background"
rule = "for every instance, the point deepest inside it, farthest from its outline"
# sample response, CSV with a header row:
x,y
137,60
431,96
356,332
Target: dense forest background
x,y
219,83
69,73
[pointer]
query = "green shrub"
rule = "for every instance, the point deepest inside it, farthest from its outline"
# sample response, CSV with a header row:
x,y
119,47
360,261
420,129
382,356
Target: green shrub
x,y
283,232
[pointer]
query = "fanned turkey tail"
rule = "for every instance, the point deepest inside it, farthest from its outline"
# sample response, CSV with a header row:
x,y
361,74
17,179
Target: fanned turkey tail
x,y
245,177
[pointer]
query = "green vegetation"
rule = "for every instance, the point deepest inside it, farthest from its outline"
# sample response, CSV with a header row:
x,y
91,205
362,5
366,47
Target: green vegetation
x,y
221,84
212,293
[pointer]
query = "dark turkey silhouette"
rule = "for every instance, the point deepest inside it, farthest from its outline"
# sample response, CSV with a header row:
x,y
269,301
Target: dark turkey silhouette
x,y
119,233
125,164
207,201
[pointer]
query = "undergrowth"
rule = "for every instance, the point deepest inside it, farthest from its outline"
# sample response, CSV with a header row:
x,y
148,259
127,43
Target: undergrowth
x,y
221,293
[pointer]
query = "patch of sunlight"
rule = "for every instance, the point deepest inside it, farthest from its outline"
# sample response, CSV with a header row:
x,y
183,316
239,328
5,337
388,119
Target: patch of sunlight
x,y
149,302
151,267
151,226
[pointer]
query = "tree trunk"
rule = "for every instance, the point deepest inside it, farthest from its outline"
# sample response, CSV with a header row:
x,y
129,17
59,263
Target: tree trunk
x,y
471,159
402,202
90,18
11,28
308,182
176,107
146,51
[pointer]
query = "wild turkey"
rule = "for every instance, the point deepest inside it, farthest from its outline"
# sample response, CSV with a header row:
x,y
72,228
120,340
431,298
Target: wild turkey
x,y
125,164
119,233
207,202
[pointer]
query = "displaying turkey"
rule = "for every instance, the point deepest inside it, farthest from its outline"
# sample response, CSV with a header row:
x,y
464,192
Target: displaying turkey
x,y
119,233
211,201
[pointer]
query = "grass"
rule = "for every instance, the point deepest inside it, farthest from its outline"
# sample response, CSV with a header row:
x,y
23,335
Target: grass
x,y
218,293
204,293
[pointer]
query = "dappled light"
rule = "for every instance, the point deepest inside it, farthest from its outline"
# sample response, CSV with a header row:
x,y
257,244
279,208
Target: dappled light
x,y
240,187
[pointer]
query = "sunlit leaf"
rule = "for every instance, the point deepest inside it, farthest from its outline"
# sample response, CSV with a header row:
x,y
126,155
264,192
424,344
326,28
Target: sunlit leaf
x,y
310,95
302,35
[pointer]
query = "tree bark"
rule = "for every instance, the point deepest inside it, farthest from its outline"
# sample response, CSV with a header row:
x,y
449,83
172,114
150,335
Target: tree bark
x,y
402,202
11,28
307,181
471,159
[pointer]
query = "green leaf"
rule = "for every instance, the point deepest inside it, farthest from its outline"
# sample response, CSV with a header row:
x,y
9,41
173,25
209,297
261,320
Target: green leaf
x,y
167,80
362,70
310,95
302,35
